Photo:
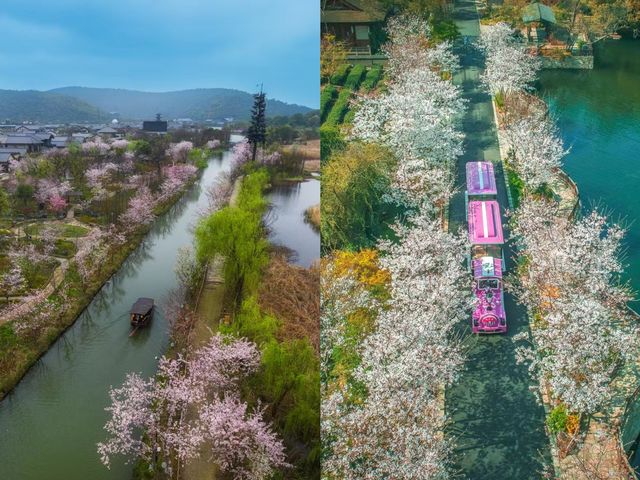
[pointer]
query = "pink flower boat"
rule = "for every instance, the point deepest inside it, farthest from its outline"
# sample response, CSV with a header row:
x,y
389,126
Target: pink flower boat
x,y
488,315
481,181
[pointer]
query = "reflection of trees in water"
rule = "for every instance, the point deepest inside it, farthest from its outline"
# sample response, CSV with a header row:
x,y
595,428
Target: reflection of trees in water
x,y
286,190
131,265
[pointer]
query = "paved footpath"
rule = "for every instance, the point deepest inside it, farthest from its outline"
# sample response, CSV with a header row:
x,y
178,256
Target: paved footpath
x,y
496,423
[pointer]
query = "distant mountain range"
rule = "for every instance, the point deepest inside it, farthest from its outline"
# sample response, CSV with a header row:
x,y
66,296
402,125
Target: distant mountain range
x,y
81,104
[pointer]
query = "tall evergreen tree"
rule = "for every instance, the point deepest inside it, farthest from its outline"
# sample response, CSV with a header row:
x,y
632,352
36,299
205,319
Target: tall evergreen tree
x,y
256,134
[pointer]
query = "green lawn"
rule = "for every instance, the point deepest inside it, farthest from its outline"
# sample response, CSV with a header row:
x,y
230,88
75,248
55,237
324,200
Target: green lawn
x,y
63,229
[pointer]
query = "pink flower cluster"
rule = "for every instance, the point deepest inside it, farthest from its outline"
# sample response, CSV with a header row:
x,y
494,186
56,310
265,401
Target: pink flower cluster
x,y
219,423
178,152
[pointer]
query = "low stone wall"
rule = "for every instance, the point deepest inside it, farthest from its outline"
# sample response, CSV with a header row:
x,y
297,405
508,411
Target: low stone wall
x,y
583,62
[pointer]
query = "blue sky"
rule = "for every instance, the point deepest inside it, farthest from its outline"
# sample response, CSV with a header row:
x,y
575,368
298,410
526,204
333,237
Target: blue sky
x,y
160,45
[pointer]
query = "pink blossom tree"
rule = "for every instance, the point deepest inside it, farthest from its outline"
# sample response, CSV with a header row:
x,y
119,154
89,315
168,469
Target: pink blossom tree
x,y
213,144
12,281
140,211
179,152
232,436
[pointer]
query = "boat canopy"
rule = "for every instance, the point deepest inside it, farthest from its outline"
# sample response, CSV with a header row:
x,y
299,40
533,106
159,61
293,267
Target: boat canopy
x,y
142,306
481,178
487,267
485,225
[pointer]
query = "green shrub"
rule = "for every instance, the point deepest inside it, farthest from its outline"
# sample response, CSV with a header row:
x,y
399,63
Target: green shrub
x,y
340,108
340,75
516,185
557,419
237,234
330,141
327,98
355,77
445,30
372,78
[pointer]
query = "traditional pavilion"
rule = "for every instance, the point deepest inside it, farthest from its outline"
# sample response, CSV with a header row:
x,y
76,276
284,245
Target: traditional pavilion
x,y
538,18
351,22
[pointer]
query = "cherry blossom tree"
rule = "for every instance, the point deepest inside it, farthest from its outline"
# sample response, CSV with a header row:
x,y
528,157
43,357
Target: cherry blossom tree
x,y
213,144
410,47
96,147
91,254
537,149
140,211
509,68
232,436
179,152
120,145
406,362
241,154
12,281
571,285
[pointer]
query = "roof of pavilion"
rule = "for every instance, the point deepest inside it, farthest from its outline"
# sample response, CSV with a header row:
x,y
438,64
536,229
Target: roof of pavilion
x,y
352,11
538,12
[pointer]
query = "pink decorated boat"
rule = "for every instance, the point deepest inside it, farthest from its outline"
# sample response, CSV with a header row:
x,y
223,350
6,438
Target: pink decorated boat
x,y
488,314
481,181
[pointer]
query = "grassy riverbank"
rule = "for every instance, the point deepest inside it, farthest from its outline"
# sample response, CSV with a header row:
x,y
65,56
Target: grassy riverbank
x,y
18,354
273,304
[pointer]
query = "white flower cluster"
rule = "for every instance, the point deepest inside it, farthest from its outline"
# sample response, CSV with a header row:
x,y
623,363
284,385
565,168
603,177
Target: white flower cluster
x,y
405,363
509,68
417,116
571,286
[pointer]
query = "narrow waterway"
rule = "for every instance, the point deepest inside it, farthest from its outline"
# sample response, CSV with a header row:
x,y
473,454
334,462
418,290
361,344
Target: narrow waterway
x,y
51,422
286,219
496,423
598,113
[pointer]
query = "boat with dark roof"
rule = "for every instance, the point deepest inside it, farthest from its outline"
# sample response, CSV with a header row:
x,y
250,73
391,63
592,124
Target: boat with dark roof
x,y
141,312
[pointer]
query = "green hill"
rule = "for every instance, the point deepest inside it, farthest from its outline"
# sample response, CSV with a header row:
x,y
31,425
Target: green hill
x,y
197,104
46,107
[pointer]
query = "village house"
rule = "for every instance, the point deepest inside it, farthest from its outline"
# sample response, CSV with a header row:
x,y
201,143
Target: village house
x,y
8,154
355,23
30,142
107,132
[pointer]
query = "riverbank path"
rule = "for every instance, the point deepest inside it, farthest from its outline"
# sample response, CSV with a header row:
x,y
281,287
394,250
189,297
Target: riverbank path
x,y
496,423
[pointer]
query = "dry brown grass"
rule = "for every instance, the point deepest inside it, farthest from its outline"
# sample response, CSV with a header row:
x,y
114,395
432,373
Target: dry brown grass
x,y
292,294
312,215
310,149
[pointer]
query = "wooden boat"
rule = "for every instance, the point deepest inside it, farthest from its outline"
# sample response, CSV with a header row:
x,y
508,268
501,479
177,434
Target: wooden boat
x,y
141,312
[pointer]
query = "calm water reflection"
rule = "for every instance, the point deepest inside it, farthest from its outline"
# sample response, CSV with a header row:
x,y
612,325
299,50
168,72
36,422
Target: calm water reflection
x,y
287,223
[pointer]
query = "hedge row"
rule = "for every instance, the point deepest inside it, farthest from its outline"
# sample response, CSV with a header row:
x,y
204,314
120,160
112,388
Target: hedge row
x,y
373,77
340,108
355,77
340,75
327,97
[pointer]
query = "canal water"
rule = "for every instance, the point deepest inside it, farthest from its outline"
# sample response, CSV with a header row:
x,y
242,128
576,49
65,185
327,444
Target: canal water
x,y
495,422
286,219
51,422
598,113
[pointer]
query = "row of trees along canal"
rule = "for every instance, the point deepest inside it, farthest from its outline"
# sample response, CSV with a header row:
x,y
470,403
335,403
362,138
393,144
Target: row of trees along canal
x,y
583,336
245,396
51,266
393,285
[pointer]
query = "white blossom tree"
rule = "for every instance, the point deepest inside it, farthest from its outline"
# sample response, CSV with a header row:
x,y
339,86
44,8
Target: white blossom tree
x,y
571,287
406,362
537,149
509,68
